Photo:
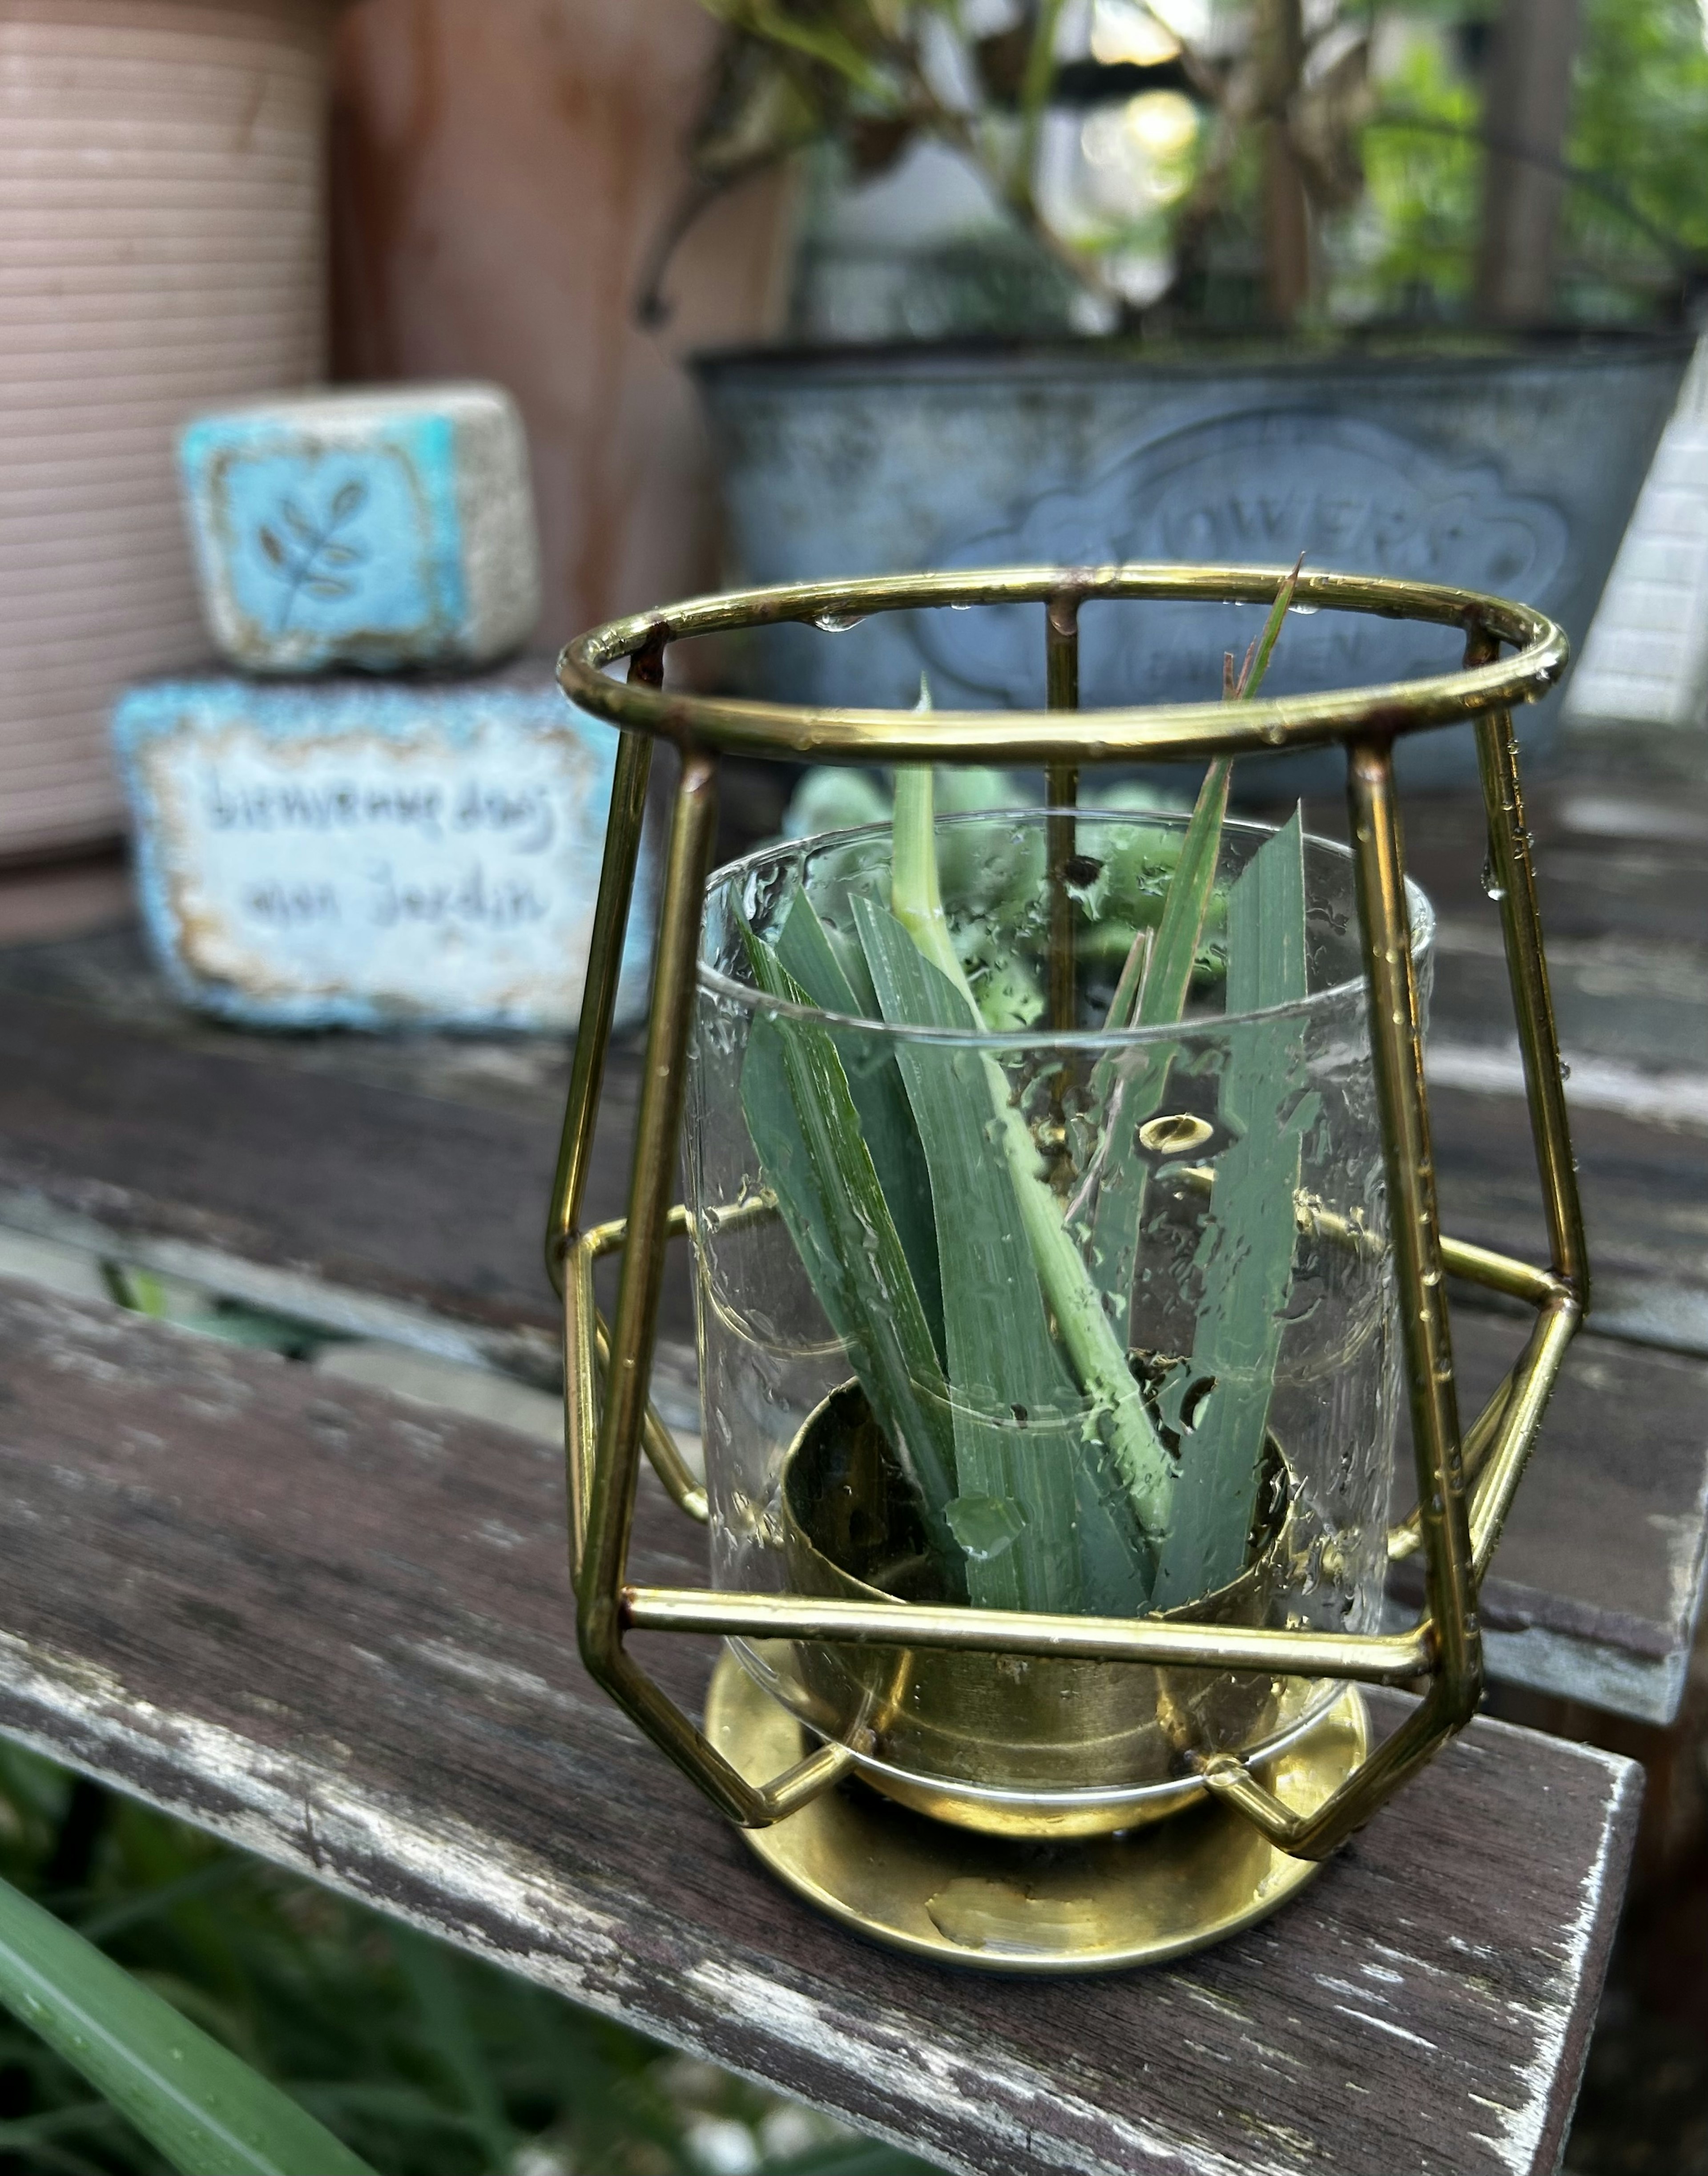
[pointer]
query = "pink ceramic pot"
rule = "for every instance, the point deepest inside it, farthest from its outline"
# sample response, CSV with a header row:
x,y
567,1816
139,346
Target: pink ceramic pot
x,y
161,249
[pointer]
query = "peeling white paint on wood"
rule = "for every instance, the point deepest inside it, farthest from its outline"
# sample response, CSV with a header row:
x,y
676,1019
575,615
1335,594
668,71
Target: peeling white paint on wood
x,y
1521,2126
409,1725
508,1906
962,2088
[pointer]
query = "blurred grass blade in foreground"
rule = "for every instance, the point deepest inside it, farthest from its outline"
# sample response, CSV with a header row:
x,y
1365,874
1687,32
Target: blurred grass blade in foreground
x,y
209,2114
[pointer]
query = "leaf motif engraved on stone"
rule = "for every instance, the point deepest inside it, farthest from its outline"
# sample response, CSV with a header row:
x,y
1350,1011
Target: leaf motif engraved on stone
x,y
305,564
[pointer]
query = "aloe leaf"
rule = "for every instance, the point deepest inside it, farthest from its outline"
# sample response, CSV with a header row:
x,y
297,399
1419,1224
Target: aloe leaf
x,y
805,952
1258,656
1123,1099
1098,1352
1246,1255
804,1122
916,899
1121,1005
205,2110
1126,1091
1168,978
1016,1511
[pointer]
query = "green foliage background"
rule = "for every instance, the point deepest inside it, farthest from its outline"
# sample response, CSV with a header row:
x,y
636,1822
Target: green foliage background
x,y
426,2062
1640,124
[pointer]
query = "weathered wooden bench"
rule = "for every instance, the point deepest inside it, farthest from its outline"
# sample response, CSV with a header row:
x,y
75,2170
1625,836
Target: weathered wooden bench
x,y
338,1629
394,1189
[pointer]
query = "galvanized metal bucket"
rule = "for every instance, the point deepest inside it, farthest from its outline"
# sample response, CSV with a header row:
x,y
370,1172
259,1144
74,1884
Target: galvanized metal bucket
x,y
1504,465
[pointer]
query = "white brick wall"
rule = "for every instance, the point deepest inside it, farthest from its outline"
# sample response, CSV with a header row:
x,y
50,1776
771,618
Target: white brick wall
x,y
1645,658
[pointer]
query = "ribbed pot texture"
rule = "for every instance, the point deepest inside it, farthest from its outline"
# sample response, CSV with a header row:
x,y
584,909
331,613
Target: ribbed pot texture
x,y
161,249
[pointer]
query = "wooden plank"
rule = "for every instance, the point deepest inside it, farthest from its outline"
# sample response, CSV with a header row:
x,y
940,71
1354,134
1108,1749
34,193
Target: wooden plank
x,y
359,1178
1620,827
1644,1191
436,1203
360,1185
1596,1590
337,1629
371,1166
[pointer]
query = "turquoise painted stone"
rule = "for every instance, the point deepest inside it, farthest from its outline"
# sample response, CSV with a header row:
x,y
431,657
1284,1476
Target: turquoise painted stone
x,y
384,529
370,854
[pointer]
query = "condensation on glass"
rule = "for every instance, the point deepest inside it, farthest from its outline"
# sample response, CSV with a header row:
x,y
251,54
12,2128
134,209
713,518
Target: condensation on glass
x,y
1120,1737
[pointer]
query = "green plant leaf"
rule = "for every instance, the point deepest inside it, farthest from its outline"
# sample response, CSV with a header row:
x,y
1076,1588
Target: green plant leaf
x,y
208,2113
805,952
1180,932
825,42
1246,1254
442,2010
1126,1092
804,1122
1016,1505
1098,1353
1124,1096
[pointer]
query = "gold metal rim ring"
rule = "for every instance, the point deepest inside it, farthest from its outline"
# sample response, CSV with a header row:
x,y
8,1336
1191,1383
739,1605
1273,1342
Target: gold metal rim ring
x,y
745,727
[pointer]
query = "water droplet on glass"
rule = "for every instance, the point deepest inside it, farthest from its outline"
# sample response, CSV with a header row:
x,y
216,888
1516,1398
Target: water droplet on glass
x,y
835,623
1490,882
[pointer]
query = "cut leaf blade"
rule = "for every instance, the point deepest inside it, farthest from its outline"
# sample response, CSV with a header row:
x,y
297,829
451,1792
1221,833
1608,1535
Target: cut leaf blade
x,y
1250,1237
1006,1371
802,1117
209,2112
805,952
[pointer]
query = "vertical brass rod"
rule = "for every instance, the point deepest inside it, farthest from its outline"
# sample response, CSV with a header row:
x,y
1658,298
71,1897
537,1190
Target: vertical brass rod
x,y
610,1508
1493,1497
1448,1577
1397,1052
623,836
580,1404
652,1182
1062,791
1512,868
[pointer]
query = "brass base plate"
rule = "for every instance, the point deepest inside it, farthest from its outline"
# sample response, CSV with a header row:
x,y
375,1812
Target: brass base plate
x,y
997,1905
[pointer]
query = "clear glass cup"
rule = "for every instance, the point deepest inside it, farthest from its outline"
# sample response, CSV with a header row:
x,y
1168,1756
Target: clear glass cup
x,y
807,1493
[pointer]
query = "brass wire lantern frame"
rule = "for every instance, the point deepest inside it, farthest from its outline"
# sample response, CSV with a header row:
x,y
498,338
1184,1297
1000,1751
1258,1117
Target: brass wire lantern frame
x,y
1466,1483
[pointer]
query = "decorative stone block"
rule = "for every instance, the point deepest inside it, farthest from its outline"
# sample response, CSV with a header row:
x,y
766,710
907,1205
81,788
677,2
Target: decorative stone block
x,y
388,528
374,854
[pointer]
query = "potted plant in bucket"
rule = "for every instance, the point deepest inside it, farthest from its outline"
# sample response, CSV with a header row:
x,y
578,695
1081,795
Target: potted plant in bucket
x,y
1190,427
1058,1189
